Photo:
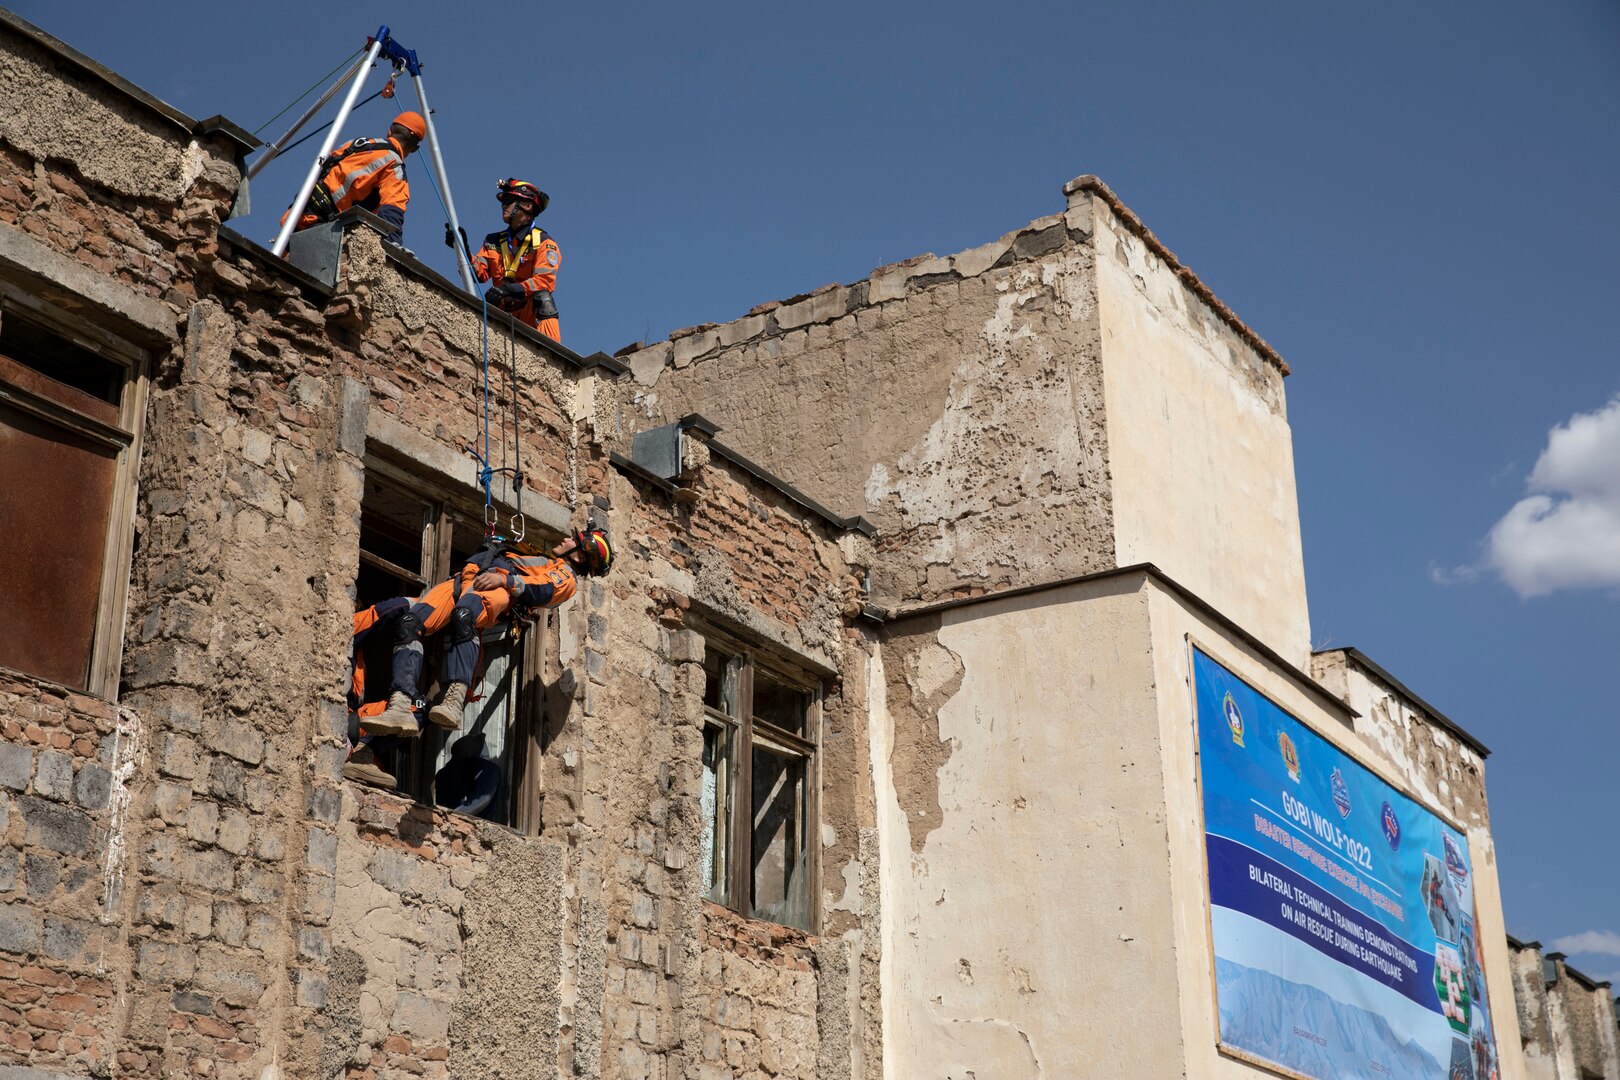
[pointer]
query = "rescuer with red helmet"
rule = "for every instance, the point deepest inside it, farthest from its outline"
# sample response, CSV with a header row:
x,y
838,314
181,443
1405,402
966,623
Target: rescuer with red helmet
x,y
522,259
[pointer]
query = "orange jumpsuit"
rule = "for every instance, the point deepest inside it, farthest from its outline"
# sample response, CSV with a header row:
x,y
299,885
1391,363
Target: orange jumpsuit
x,y
368,173
531,581
532,263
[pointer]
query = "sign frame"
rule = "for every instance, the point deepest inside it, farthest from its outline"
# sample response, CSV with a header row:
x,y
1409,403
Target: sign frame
x,y
1379,769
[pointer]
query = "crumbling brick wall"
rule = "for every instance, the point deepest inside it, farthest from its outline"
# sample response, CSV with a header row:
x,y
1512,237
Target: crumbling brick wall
x,y
623,784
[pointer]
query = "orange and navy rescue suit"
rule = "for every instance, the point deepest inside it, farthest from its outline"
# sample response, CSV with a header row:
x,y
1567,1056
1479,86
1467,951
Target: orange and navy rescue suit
x,y
367,620
532,581
529,258
368,173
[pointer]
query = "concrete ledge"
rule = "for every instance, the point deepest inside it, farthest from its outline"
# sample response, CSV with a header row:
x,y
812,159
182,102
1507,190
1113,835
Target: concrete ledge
x,y
411,446
73,285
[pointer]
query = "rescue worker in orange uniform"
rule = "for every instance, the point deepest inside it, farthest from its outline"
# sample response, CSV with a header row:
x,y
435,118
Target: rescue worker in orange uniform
x,y
522,260
362,763
368,173
502,577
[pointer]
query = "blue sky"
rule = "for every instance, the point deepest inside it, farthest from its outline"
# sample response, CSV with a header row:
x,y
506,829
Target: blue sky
x,y
1415,203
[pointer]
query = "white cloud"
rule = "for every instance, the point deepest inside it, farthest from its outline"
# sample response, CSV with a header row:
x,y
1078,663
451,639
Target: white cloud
x,y
1589,943
1566,533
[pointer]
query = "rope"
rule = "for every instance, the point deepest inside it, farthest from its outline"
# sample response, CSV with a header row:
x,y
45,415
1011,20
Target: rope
x,y
347,61
328,124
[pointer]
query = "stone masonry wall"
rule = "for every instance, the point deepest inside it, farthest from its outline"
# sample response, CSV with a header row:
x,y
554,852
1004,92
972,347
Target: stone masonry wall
x,y
956,402
63,763
1568,1027
623,784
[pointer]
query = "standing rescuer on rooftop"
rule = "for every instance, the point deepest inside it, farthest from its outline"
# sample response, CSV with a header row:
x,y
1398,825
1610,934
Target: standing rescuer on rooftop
x,y
370,174
499,578
522,259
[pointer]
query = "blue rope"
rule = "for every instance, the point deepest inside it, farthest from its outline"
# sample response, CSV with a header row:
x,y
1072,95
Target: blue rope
x,y
486,474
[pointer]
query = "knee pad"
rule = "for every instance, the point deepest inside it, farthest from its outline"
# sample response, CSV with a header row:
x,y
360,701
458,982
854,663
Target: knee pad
x,y
407,629
463,624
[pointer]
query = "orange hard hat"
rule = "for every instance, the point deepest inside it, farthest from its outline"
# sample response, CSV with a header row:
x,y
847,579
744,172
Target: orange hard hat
x,y
413,123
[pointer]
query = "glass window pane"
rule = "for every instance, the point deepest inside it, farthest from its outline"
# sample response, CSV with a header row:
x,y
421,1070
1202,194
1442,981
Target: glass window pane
x,y
778,704
716,804
780,852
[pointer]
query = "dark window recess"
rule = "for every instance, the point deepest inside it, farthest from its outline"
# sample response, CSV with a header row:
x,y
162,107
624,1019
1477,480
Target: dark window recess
x,y
758,798
409,542
34,346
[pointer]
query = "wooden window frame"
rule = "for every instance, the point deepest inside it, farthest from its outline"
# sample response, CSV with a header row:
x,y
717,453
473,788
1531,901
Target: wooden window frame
x,y
120,427
746,730
442,507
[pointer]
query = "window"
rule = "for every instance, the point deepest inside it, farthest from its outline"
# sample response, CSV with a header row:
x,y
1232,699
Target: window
x,y
72,398
413,537
759,784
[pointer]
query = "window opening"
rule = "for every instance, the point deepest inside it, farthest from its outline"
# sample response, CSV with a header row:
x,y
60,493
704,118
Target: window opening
x,y
759,786
410,540
69,420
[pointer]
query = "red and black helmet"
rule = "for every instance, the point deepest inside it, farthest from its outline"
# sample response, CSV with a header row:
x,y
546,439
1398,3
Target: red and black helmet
x,y
595,551
513,190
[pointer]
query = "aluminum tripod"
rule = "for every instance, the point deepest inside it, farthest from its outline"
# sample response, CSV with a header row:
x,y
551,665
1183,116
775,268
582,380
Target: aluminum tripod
x,y
384,46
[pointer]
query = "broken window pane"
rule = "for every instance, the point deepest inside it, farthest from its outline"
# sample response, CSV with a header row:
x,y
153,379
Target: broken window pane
x,y
780,851
720,681
779,705
716,802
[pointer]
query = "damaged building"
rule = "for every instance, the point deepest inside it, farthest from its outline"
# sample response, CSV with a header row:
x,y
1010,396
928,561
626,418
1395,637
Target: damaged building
x,y
878,753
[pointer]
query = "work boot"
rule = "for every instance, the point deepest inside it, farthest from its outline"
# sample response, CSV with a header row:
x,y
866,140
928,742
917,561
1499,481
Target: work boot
x,y
362,766
447,713
398,719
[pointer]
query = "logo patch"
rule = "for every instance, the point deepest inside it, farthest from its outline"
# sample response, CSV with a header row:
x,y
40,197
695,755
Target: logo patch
x,y
1341,793
1392,826
1290,756
1234,718
553,257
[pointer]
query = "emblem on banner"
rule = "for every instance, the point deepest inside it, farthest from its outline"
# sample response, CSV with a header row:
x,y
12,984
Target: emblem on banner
x,y
1234,718
1392,826
1290,756
1341,793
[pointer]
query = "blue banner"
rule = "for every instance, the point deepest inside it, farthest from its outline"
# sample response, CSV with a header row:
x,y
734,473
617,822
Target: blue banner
x,y
1341,912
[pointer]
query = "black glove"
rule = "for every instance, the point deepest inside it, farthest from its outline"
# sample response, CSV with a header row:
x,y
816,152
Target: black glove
x,y
509,295
449,236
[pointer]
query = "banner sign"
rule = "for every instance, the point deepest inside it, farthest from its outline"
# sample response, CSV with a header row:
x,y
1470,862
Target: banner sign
x,y
1341,912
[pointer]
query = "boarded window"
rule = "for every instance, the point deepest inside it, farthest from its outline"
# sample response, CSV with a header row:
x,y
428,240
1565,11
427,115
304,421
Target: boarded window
x,y
68,422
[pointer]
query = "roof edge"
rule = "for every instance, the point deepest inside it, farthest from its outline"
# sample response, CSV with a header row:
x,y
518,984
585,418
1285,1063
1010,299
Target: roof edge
x,y
1133,222
1439,717
1151,572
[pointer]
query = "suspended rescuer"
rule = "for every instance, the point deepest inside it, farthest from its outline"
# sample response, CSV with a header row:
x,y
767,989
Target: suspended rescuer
x,y
522,259
362,763
503,577
370,174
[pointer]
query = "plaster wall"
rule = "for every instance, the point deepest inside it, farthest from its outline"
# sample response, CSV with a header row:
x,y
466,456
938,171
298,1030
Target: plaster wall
x,y
1026,890
1200,455
954,401
1175,623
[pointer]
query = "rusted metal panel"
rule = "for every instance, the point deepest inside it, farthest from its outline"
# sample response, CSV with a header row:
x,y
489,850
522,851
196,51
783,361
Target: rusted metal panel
x,y
55,496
